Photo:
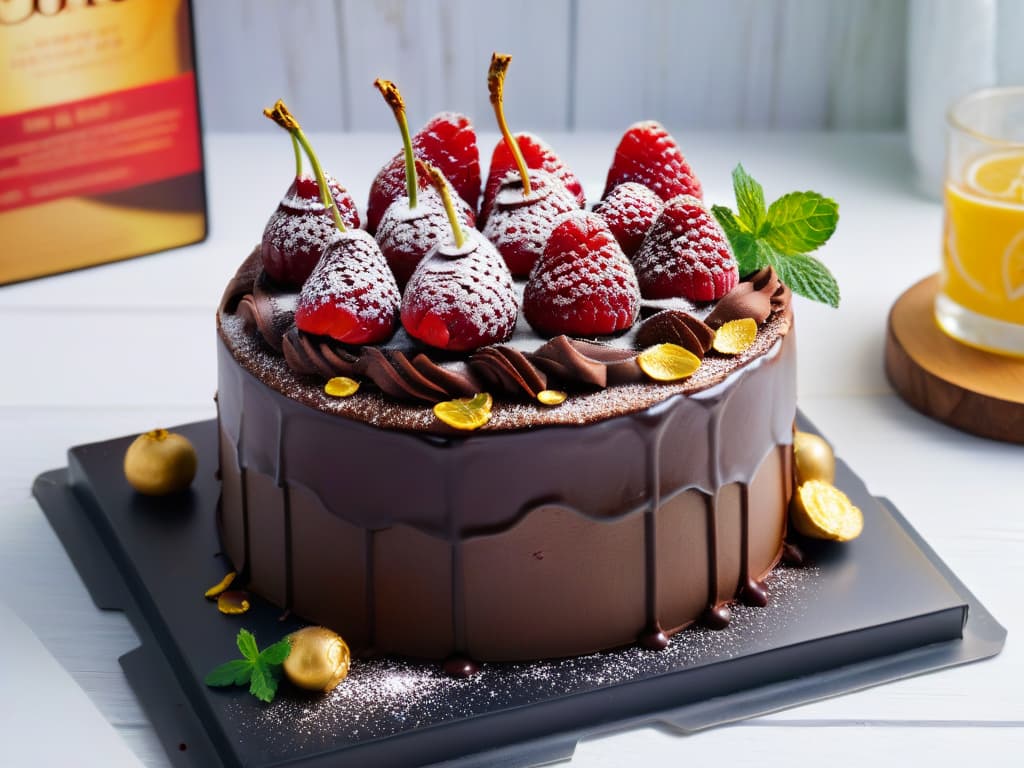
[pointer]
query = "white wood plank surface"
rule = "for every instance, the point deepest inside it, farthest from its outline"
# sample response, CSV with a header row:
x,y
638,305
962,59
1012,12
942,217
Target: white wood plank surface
x,y
130,347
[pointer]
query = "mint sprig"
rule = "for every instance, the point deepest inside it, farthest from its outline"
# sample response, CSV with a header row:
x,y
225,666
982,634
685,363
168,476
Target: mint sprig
x,y
781,236
260,670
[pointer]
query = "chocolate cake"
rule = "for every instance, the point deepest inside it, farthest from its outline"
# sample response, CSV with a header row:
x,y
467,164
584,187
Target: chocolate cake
x,y
627,513
594,454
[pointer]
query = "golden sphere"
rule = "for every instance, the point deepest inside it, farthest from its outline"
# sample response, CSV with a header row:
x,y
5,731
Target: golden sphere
x,y
319,659
813,458
160,462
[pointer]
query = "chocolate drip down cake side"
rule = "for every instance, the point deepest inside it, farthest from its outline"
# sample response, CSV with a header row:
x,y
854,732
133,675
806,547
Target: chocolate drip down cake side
x,y
555,432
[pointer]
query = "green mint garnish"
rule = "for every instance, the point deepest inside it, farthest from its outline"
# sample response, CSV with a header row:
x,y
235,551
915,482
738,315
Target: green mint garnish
x,y
781,236
260,670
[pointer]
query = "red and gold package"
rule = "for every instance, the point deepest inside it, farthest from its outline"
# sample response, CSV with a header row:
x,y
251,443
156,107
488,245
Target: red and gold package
x,y
100,146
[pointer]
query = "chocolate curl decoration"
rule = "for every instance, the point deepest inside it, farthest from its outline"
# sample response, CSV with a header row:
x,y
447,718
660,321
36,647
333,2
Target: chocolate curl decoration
x,y
508,370
673,326
243,281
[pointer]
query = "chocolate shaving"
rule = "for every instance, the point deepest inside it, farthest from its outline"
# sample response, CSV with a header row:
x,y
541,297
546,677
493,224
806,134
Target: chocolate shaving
x,y
572,361
243,281
673,326
757,297
456,379
508,370
270,309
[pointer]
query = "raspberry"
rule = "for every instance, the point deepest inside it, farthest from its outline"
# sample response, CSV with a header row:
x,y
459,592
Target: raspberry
x,y
300,229
351,295
630,210
406,235
460,299
583,285
447,141
649,155
685,254
519,226
538,156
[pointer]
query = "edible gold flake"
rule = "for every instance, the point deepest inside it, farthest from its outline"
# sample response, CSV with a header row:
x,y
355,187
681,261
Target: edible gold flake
x,y
668,362
465,413
233,602
341,386
220,586
735,336
551,397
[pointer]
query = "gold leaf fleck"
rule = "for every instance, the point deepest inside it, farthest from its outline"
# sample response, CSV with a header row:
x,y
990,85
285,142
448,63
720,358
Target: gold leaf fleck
x,y
220,586
465,413
233,602
551,397
668,362
341,386
735,336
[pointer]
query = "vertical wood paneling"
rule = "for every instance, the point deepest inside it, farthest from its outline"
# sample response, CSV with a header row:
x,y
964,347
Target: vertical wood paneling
x,y
438,51
252,52
742,64
867,85
583,64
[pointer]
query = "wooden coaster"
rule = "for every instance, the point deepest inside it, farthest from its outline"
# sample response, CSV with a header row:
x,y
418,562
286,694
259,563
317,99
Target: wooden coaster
x,y
967,388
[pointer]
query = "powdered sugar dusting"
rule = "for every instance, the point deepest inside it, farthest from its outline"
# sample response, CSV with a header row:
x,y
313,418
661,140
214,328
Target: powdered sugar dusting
x,y
649,155
630,210
686,254
520,229
352,275
387,696
406,235
472,291
583,284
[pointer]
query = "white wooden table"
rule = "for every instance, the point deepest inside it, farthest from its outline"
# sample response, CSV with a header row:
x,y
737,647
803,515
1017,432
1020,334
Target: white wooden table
x,y
127,347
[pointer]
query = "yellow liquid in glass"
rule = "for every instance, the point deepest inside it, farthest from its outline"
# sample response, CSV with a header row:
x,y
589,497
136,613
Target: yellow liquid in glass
x,y
983,248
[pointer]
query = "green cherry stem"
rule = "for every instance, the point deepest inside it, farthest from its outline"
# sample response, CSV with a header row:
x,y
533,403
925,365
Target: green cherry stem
x,y
440,183
298,155
496,88
281,115
394,99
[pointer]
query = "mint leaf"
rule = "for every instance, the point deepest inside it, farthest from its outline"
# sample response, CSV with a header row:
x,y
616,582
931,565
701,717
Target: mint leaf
x,y
744,244
247,645
235,672
260,671
277,653
264,682
749,200
807,276
800,222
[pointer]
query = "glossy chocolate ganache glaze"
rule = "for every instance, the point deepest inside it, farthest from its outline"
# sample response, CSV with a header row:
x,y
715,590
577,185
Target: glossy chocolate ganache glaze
x,y
623,515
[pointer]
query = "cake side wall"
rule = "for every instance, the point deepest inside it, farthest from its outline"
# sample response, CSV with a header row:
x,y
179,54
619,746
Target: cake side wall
x,y
551,542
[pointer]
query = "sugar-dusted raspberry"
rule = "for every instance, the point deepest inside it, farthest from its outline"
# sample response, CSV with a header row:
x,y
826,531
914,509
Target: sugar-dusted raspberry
x,y
538,156
447,141
460,298
686,254
351,295
629,210
649,155
583,285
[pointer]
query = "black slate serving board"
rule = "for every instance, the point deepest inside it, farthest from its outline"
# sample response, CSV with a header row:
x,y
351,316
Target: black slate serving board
x,y
880,608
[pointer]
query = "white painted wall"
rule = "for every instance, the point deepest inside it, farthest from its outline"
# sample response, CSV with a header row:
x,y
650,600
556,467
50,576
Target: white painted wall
x,y
578,64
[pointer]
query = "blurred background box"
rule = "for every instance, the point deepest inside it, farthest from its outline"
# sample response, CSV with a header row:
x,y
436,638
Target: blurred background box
x,y
100,143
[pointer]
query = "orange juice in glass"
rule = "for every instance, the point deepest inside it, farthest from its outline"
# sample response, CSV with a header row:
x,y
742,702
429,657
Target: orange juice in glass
x,y
981,296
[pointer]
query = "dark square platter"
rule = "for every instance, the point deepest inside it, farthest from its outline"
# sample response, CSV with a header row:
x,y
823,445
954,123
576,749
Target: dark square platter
x,y
877,609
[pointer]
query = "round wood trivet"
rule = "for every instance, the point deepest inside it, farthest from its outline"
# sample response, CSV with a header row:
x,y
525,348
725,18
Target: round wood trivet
x,y
970,389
